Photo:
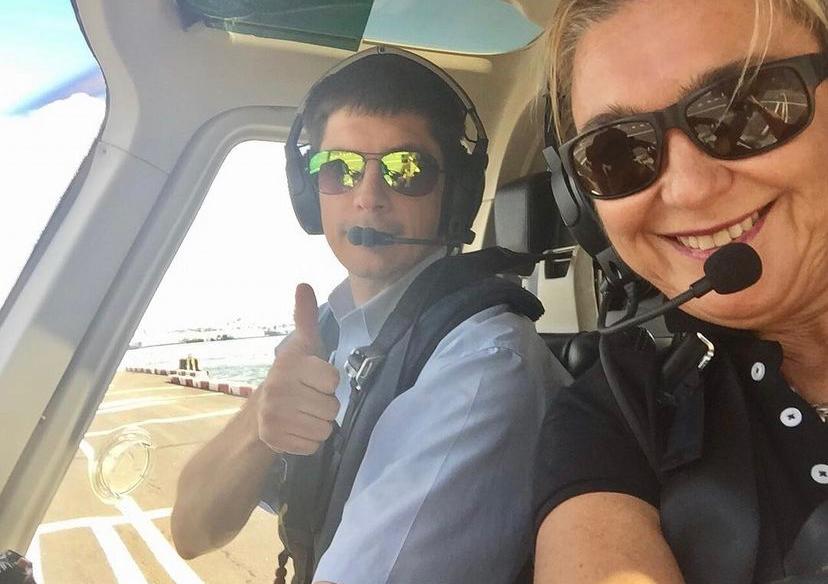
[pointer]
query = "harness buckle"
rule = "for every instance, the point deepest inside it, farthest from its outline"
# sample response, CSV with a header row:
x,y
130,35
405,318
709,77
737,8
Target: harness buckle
x,y
361,366
708,356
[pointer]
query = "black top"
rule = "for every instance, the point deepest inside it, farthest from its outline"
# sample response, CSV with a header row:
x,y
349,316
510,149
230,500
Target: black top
x,y
588,446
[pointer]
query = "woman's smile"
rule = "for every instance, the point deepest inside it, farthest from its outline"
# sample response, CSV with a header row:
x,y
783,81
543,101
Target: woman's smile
x,y
701,243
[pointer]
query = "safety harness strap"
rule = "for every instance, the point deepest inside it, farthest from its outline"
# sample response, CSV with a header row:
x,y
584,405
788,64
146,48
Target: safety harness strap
x,y
445,294
697,439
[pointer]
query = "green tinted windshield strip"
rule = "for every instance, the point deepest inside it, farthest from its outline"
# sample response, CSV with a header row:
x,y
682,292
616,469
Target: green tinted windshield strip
x,y
469,27
331,23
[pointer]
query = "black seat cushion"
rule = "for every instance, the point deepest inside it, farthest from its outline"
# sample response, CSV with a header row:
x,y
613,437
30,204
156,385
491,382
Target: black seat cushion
x,y
577,351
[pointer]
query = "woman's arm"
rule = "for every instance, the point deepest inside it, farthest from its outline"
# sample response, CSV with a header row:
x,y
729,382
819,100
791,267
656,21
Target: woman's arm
x,y
607,538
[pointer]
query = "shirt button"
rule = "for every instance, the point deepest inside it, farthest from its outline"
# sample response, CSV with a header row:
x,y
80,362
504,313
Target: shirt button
x,y
791,417
820,473
757,372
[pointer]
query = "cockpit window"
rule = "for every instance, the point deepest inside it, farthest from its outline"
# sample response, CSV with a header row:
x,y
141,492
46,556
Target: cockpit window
x,y
461,26
52,103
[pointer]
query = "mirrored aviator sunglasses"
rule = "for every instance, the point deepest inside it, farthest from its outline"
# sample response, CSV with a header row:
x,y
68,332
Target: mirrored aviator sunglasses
x,y
410,173
727,121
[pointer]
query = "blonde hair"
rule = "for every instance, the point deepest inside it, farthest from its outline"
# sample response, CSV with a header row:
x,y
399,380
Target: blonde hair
x,y
572,18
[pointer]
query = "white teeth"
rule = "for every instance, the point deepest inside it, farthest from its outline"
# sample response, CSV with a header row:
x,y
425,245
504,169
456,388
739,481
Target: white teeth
x,y
720,238
706,242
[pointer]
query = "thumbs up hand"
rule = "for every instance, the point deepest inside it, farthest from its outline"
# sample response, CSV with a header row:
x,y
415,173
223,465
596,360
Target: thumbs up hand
x,y
296,403
306,320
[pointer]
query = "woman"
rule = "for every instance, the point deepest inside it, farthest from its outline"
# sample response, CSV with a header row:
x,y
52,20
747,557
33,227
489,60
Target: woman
x,y
741,157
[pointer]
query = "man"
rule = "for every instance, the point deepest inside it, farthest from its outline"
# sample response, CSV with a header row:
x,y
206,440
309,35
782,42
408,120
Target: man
x,y
444,490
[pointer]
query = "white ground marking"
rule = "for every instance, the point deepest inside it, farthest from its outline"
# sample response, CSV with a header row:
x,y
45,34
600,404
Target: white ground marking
x,y
124,405
109,520
167,386
176,567
124,567
33,555
87,450
173,420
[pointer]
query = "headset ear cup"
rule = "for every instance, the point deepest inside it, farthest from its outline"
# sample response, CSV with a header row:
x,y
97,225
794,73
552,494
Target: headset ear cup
x,y
464,184
464,194
578,214
303,194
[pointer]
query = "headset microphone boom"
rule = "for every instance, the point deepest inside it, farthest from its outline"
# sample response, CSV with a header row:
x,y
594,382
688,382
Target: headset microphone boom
x,y
730,269
369,237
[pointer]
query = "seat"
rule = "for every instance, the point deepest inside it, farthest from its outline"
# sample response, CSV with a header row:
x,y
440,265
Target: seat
x,y
527,220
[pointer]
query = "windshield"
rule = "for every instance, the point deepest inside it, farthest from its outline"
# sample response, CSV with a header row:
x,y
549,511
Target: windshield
x,y
461,26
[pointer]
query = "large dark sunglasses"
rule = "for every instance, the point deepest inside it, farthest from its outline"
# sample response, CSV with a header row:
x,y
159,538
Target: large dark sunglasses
x,y
728,122
413,174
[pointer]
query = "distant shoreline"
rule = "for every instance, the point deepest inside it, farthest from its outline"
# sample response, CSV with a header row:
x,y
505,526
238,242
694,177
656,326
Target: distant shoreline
x,y
194,342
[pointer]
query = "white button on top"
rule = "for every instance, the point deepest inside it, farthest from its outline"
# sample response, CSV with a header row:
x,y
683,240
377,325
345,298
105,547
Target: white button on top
x,y
820,473
757,372
791,417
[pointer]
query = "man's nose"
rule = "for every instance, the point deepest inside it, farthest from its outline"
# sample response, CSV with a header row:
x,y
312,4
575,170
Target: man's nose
x,y
371,192
690,178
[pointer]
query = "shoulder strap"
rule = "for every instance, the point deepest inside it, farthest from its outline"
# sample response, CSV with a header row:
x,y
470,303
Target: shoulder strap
x,y
711,545
452,310
296,501
444,295
440,279
696,434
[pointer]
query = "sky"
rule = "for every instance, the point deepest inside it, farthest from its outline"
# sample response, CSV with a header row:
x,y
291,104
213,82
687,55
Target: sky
x,y
244,253
41,48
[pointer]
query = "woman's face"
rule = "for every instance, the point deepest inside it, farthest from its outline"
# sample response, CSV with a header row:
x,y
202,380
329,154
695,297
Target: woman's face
x,y
644,58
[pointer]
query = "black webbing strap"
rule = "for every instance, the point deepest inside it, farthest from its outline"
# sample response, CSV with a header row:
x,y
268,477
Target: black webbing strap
x,y
438,280
709,414
318,497
709,509
445,294
443,317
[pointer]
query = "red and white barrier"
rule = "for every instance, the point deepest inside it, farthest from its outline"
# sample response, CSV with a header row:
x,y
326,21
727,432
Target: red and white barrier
x,y
197,380
210,385
179,372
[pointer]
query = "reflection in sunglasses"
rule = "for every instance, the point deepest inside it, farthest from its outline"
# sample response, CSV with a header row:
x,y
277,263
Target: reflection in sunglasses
x,y
730,119
406,172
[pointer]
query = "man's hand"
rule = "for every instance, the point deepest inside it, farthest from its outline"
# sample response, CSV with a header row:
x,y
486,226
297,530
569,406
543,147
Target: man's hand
x,y
296,402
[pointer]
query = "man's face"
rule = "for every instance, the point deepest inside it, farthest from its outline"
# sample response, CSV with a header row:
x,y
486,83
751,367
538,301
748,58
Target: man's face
x,y
372,203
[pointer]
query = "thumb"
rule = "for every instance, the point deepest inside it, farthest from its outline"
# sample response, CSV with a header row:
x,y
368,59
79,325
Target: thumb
x,y
306,319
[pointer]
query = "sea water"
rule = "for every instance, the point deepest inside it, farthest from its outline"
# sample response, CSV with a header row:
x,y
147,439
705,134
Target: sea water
x,y
244,361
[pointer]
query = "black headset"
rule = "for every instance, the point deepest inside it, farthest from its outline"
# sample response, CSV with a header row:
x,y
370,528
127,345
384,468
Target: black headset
x,y
578,212
464,186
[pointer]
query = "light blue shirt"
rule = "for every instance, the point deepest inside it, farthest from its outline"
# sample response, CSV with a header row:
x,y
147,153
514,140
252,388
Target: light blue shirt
x,y
444,492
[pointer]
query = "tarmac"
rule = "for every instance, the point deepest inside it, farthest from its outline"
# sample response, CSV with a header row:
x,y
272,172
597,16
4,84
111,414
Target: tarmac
x,y
84,539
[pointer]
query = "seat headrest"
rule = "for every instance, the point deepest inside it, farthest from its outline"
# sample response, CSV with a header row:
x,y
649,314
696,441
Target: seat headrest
x,y
526,217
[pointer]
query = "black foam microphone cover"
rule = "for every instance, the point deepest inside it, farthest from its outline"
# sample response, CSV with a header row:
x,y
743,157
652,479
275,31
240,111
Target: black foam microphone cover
x,y
734,267
355,235
369,237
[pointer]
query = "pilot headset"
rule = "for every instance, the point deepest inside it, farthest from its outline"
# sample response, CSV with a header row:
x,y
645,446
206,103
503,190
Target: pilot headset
x,y
578,212
463,192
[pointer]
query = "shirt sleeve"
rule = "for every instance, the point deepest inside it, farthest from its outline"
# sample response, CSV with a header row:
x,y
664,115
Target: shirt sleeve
x,y
444,493
586,446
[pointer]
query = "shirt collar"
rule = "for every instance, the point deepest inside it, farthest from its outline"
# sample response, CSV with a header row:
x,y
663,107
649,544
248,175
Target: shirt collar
x,y
372,314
